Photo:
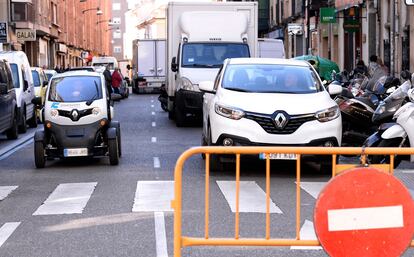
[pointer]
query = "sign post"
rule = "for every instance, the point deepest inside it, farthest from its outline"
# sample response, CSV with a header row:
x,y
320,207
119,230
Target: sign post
x,y
364,212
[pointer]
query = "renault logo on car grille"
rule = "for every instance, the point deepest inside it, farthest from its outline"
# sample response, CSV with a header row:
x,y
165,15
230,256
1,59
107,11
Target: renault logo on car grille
x,y
75,115
280,120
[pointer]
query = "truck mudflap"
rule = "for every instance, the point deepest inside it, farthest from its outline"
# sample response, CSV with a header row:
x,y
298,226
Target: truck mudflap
x,y
189,101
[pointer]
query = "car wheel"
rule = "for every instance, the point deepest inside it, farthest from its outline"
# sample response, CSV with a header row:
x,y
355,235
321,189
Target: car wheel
x,y
13,132
113,151
23,124
381,159
39,154
32,122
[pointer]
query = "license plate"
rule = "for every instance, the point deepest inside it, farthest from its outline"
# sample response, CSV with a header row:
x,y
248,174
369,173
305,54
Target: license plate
x,y
279,156
75,152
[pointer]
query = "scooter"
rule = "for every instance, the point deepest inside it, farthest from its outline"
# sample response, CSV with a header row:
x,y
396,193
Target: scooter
x,y
357,112
398,134
163,98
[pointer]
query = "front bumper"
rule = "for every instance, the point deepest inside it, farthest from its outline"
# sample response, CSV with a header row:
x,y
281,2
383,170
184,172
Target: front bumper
x,y
189,101
91,136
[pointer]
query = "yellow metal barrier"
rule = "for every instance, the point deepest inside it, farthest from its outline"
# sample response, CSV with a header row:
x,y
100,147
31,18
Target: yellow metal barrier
x,y
181,241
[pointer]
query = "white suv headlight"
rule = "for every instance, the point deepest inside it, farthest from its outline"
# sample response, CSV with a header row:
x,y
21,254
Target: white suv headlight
x,y
187,85
328,114
229,112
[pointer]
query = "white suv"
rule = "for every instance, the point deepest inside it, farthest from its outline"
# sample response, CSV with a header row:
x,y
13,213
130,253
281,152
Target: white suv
x,y
269,102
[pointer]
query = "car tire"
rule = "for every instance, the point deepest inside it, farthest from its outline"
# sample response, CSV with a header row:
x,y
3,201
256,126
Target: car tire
x,y
113,151
23,124
39,155
180,118
13,132
32,122
380,159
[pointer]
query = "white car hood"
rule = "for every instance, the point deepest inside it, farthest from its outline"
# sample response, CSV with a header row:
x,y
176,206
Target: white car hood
x,y
268,103
195,75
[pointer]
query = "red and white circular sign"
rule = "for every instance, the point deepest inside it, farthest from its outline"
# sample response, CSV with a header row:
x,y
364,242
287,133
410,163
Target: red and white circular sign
x,y
364,212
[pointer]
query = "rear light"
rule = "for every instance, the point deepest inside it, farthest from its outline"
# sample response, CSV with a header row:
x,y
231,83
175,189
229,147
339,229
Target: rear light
x,y
48,125
103,123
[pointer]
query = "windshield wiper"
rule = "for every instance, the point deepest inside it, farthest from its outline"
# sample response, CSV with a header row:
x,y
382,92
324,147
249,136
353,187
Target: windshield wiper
x,y
200,65
90,101
237,89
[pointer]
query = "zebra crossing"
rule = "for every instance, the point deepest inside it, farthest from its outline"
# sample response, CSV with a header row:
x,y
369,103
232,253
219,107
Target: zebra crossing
x,y
155,196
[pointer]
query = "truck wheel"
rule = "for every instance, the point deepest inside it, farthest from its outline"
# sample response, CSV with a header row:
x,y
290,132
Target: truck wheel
x,y
179,117
32,122
113,151
39,154
13,132
23,124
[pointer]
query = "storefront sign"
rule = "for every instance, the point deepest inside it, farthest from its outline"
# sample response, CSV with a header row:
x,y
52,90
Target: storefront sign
x,y
62,48
26,34
295,29
3,32
328,15
351,25
345,4
409,2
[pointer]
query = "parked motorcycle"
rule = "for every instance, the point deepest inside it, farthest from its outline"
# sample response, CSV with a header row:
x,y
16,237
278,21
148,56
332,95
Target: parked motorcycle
x,y
163,98
357,112
398,134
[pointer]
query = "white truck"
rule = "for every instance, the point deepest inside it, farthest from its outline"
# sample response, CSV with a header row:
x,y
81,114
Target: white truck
x,y
105,60
149,60
200,36
270,48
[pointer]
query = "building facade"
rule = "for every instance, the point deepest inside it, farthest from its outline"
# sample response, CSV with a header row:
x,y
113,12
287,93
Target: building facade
x,y
57,32
118,29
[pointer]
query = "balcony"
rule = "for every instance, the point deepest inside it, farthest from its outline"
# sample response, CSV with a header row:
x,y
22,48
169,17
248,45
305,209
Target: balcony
x,y
22,13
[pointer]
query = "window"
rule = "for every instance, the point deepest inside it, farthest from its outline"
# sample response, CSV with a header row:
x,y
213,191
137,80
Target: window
x,y
117,35
116,20
22,11
117,49
75,89
54,13
116,6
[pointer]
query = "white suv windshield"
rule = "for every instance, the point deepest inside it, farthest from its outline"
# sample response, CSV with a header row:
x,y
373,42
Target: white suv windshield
x,y
75,89
271,78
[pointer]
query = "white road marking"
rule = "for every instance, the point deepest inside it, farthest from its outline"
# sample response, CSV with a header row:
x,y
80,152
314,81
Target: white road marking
x,y
157,164
153,196
365,218
313,188
152,113
152,101
7,230
16,146
153,124
252,197
406,171
152,106
153,140
5,191
307,232
160,235
67,199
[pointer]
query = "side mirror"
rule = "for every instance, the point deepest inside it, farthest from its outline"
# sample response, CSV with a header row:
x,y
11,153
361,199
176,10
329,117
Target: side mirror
x,y
334,89
37,101
45,83
128,67
25,85
207,86
3,88
174,65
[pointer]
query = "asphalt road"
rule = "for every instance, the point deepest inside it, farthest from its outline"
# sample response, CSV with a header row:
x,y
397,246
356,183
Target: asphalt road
x,y
83,207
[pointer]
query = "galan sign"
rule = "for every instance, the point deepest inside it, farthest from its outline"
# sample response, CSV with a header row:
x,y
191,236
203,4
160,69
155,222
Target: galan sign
x,y
26,34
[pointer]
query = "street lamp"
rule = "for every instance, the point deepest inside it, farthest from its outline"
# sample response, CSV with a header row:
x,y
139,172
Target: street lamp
x,y
104,21
98,11
117,29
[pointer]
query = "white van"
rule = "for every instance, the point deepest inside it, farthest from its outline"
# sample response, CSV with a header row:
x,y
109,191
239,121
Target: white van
x,y
23,83
270,48
105,60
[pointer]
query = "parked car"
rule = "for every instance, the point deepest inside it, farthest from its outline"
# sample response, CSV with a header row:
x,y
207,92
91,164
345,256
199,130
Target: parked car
x,y
8,104
124,89
23,84
78,120
50,73
40,82
262,101
85,68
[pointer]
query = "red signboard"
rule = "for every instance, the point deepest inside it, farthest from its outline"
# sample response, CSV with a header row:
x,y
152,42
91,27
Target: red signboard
x,y
344,4
364,212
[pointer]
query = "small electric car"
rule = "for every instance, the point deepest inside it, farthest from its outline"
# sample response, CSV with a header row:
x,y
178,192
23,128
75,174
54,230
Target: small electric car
x,y
77,118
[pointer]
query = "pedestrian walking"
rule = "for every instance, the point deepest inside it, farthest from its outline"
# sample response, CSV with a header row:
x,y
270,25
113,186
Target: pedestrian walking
x,y
108,80
116,80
